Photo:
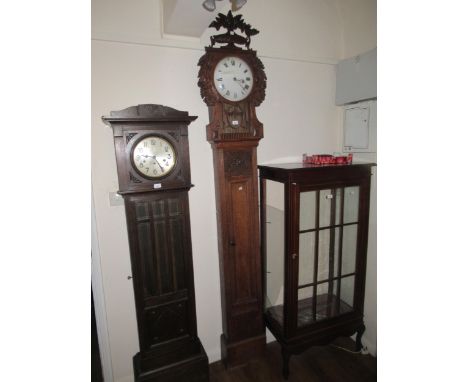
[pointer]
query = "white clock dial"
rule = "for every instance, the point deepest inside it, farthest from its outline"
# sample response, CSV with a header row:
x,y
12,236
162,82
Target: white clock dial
x,y
154,157
233,78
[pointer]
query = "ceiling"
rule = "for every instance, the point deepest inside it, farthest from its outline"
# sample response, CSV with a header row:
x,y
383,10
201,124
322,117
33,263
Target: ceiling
x,y
187,17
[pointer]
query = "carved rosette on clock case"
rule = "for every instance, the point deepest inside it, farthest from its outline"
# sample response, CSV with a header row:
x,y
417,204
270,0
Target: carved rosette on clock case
x,y
151,147
232,82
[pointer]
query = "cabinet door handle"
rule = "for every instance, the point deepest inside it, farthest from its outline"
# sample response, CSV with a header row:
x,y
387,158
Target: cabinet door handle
x,y
232,243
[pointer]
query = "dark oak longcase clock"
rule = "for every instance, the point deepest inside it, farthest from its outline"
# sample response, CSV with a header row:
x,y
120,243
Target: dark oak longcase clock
x,y
232,83
151,146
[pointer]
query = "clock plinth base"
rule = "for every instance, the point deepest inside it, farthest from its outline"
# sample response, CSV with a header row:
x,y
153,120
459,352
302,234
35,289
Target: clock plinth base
x,y
190,367
238,353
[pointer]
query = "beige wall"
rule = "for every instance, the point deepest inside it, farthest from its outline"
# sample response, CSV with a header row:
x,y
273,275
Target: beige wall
x,y
132,64
359,25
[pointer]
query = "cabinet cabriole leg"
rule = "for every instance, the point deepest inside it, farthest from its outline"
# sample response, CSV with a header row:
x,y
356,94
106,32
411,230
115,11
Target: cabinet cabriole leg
x,y
359,334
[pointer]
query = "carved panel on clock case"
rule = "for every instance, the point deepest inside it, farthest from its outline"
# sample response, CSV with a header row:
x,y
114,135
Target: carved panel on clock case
x,y
236,118
160,239
160,228
238,162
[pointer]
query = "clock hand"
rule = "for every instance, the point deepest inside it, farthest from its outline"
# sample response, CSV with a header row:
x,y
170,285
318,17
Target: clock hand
x,y
159,164
239,82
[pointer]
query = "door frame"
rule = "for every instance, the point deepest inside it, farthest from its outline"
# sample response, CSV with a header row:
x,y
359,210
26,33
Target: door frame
x,y
99,300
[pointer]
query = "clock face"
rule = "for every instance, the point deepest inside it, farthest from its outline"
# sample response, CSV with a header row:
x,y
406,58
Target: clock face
x,y
154,157
233,78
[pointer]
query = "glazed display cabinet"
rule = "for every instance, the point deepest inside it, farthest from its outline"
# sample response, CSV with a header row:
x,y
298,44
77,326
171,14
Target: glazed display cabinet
x,y
314,227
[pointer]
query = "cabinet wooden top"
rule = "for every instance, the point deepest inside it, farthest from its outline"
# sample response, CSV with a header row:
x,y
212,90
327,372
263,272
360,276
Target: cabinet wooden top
x,y
302,172
309,166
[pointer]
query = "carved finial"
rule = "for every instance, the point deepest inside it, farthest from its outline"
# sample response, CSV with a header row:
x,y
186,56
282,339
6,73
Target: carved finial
x,y
231,23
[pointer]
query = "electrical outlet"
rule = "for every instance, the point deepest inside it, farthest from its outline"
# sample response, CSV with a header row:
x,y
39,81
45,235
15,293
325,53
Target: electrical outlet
x,y
115,199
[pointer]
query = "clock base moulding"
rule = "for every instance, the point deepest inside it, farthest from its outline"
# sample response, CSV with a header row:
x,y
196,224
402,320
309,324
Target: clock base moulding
x,y
238,353
190,365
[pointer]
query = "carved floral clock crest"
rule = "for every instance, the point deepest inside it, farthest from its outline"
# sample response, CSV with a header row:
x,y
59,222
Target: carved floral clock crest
x,y
232,83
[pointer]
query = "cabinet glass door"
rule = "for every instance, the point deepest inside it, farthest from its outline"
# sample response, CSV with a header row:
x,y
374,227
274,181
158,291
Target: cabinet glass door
x,y
274,252
328,229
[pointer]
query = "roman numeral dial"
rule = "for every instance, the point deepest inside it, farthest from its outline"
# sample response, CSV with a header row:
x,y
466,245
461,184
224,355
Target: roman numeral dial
x,y
233,78
154,157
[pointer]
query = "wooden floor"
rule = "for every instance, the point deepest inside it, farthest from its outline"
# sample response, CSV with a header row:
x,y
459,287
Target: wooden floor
x,y
318,364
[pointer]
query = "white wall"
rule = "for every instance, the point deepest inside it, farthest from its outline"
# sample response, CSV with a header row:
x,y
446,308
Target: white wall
x,y
359,26
132,64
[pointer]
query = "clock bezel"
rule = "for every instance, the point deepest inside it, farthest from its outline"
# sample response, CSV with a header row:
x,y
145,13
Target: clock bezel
x,y
164,138
207,64
245,61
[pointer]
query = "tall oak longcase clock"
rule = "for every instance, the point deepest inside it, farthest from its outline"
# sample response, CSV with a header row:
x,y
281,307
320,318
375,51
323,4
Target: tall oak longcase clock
x,y
232,83
151,147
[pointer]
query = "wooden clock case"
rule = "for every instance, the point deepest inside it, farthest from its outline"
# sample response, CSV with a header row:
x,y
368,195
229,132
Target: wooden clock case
x,y
234,132
158,224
